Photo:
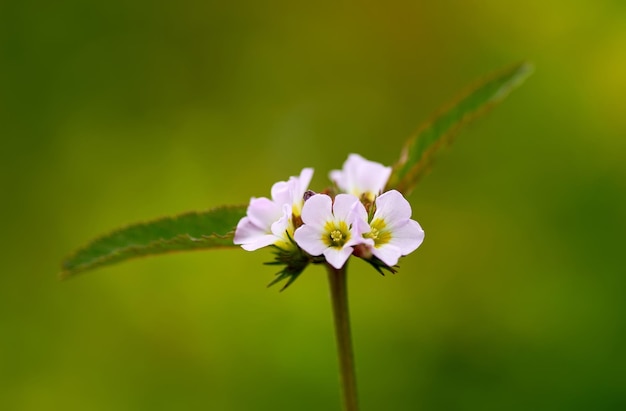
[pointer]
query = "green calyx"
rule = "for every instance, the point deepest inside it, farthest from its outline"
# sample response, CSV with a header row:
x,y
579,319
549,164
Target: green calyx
x,y
294,261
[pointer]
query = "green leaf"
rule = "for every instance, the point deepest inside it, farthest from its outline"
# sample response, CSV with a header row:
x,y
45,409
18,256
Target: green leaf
x,y
191,231
418,151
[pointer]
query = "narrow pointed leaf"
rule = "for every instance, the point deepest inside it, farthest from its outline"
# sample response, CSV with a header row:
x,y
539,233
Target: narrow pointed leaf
x,y
191,231
417,153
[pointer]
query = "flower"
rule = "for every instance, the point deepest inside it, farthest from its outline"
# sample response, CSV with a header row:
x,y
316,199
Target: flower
x,y
292,191
391,233
328,227
313,228
361,177
270,222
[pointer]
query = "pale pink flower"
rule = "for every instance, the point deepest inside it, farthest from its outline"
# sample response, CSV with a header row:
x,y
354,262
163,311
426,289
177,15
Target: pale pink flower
x,y
361,177
292,192
270,222
328,227
391,233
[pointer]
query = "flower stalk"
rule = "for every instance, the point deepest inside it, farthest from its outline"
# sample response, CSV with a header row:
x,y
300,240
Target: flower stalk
x,y
337,279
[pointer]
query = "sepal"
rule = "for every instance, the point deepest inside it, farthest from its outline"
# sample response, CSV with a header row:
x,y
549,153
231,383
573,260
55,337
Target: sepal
x,y
379,265
364,253
294,261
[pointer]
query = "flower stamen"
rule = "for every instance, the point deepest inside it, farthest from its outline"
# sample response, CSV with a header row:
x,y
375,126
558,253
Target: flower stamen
x,y
372,234
378,232
336,236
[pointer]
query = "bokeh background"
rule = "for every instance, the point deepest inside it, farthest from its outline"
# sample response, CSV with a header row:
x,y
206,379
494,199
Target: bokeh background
x,y
115,112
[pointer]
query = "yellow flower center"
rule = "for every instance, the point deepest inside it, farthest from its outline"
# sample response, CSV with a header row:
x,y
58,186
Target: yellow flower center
x,y
379,232
336,234
372,234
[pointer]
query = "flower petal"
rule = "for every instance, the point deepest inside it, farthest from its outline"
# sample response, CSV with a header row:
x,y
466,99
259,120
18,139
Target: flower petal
x,y
281,193
263,212
317,210
407,237
279,228
388,254
339,178
252,237
303,183
360,176
393,208
360,227
337,257
344,205
371,176
291,192
310,239
297,187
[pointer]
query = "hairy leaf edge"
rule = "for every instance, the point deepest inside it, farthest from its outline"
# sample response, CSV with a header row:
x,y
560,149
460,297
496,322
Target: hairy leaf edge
x,y
68,270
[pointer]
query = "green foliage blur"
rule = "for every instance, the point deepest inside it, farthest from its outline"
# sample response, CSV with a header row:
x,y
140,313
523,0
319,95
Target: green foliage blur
x,y
116,112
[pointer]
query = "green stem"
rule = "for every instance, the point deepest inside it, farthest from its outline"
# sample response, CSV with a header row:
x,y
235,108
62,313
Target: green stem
x,y
337,279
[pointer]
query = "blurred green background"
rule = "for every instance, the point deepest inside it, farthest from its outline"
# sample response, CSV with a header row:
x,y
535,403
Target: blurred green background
x,y
116,112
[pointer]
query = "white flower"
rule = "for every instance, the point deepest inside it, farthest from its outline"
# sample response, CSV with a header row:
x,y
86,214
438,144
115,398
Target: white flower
x,y
270,222
328,227
361,177
391,233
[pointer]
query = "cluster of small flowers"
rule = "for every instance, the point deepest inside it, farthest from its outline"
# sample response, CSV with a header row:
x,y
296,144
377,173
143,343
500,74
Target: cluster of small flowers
x,y
360,220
